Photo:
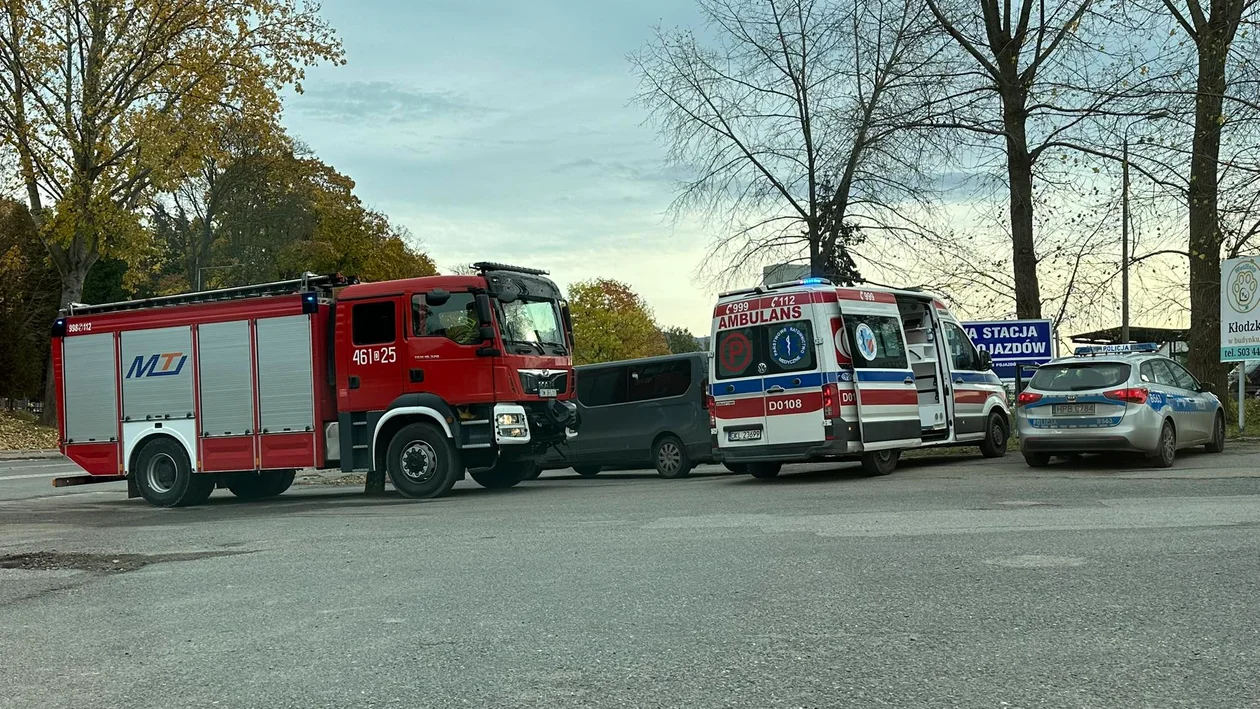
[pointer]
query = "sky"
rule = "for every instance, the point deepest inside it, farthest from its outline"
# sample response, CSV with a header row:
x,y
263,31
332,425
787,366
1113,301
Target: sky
x,y
504,131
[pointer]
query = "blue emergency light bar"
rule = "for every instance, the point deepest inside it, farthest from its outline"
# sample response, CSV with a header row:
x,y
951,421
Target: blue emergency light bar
x,y
1091,350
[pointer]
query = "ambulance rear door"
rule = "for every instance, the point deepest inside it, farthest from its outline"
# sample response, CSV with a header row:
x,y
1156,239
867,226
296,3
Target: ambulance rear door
x,y
887,399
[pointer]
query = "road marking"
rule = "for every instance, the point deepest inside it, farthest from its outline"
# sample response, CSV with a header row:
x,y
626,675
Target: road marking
x,y
43,465
28,477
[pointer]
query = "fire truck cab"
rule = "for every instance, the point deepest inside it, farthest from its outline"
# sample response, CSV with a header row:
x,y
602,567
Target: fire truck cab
x,y
421,379
807,371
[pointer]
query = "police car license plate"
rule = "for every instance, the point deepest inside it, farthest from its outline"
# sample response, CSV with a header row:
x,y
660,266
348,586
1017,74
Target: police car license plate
x,y
1072,409
753,435
547,393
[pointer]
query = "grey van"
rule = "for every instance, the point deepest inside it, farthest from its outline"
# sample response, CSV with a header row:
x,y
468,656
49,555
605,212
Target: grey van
x,y
639,413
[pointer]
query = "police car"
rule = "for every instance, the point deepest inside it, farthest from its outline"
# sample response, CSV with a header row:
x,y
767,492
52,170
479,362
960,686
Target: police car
x,y
1117,398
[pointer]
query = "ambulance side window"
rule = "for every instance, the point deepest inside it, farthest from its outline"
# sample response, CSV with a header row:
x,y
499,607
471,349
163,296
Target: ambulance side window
x,y
736,352
962,353
875,341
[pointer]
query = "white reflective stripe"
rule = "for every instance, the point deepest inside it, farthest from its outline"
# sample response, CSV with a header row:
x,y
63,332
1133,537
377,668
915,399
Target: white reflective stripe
x,y
424,411
182,430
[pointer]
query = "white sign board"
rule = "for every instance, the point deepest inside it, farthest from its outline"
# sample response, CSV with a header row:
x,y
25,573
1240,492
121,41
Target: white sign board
x,y
1240,309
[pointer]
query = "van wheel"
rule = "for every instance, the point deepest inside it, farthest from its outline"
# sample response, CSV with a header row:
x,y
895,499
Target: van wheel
x,y
1166,454
1217,444
764,471
671,458
165,478
505,474
254,486
421,461
736,467
994,444
880,462
587,471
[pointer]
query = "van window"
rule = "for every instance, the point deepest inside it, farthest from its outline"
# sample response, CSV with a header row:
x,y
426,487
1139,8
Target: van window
x,y
602,387
962,353
882,346
766,349
373,323
660,381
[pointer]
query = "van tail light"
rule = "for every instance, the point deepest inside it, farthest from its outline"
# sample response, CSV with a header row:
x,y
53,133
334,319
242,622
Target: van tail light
x,y
1135,395
706,397
708,404
1027,397
831,401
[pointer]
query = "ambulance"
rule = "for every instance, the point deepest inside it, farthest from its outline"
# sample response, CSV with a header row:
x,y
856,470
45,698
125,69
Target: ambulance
x,y
807,371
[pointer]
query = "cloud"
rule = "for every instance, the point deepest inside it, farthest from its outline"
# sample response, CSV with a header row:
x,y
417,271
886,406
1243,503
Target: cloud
x,y
355,102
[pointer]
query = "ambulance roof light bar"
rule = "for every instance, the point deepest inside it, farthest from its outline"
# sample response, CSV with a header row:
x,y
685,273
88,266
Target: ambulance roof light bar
x,y
308,282
1127,348
813,281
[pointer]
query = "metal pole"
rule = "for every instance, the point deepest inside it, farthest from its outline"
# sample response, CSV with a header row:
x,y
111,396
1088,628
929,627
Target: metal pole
x,y
1124,244
1242,395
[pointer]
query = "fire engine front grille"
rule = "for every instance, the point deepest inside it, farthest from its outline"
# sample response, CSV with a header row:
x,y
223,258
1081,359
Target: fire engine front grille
x,y
534,379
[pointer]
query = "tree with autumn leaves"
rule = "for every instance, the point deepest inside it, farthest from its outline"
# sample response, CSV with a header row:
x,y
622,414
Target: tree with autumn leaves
x,y
611,322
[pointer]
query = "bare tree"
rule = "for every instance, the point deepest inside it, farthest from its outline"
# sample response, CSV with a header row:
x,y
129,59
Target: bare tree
x,y
801,124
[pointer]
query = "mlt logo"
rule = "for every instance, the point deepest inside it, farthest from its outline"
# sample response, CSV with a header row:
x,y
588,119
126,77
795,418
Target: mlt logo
x,y
150,368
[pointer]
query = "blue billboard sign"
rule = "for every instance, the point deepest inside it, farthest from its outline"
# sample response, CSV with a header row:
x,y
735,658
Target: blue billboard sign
x,y
1013,341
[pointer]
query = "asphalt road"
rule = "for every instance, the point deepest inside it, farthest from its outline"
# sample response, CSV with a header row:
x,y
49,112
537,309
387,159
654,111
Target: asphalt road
x,y
953,582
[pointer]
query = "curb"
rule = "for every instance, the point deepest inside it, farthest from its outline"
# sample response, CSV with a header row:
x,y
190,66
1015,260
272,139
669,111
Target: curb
x,y
30,455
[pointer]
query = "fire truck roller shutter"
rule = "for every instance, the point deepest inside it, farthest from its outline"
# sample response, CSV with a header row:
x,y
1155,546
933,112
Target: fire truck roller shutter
x,y
286,394
227,389
157,389
89,388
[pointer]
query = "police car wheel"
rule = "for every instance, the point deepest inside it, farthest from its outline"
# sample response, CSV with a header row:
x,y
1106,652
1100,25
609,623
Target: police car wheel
x,y
736,467
421,461
880,462
764,471
994,444
1166,454
1036,460
670,458
1217,444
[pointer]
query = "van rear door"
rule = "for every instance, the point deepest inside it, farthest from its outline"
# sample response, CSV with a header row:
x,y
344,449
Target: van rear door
x,y
888,402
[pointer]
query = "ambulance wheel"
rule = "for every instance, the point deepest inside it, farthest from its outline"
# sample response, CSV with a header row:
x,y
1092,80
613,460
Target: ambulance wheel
x,y
255,486
421,461
736,467
670,458
880,462
164,477
505,474
587,471
994,444
764,471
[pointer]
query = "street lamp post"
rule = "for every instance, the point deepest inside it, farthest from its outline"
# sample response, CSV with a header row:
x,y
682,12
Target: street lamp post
x,y
1124,226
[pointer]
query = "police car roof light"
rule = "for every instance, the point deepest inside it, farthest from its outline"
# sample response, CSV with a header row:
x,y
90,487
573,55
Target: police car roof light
x,y
1127,348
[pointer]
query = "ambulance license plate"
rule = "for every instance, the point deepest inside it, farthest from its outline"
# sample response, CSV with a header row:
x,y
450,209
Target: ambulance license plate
x,y
547,393
1072,409
750,435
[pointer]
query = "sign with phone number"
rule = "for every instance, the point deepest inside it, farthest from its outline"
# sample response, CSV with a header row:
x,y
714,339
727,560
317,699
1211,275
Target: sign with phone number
x,y
1236,354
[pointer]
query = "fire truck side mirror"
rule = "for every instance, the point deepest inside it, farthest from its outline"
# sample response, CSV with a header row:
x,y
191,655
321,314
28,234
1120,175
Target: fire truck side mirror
x,y
486,333
437,296
483,311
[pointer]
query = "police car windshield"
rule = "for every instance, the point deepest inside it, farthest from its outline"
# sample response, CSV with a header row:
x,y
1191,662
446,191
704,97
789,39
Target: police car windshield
x,y
1080,376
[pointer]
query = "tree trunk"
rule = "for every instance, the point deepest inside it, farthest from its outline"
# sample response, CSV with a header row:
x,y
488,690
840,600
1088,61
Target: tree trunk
x,y
1019,173
1205,232
72,279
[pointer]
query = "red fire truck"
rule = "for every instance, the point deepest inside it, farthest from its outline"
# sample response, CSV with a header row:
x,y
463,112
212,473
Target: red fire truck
x,y
421,378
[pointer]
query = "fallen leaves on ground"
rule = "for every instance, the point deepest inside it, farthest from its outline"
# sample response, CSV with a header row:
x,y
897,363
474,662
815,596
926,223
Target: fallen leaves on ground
x,y
19,432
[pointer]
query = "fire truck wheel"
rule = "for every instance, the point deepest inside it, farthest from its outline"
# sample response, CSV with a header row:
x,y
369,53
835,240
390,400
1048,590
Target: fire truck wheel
x,y
994,444
504,475
764,471
164,477
421,461
880,462
254,486
670,458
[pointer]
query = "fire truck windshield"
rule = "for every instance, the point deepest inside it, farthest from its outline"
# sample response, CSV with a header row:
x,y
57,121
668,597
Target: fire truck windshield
x,y
533,323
